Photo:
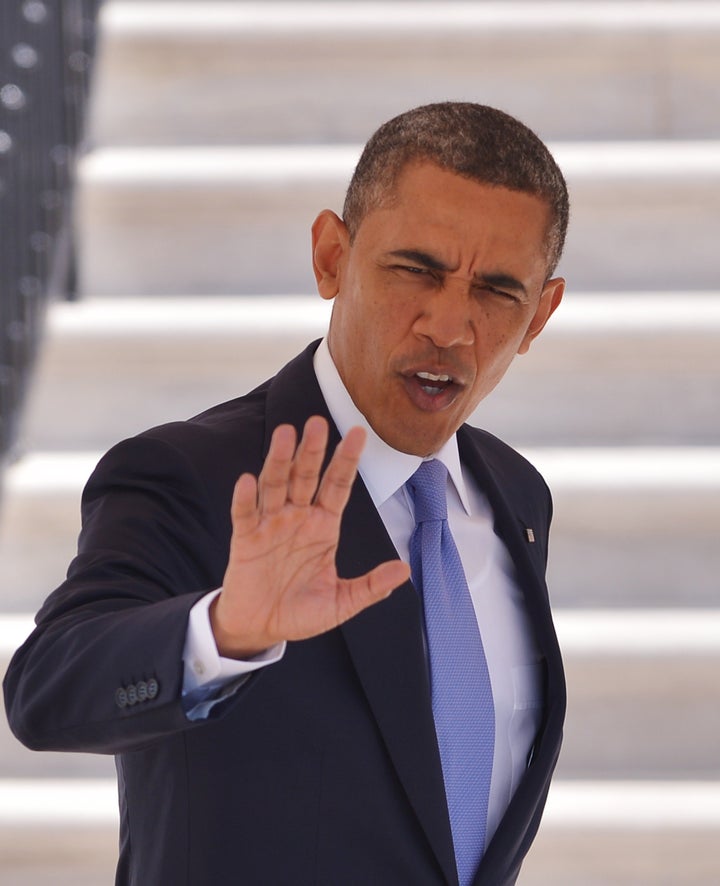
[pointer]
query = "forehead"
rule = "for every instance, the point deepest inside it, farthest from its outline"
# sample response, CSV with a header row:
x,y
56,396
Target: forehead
x,y
434,205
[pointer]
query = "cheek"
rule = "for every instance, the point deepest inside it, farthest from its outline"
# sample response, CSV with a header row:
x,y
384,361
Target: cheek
x,y
494,337
502,331
494,352
382,326
365,338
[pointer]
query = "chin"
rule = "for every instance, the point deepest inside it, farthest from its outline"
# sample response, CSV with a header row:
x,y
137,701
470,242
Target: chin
x,y
420,444
413,434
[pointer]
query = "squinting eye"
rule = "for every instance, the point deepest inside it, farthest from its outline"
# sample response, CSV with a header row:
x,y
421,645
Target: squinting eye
x,y
489,290
411,269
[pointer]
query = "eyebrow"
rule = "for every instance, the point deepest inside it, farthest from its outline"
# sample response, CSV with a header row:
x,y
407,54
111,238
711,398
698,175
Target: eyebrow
x,y
498,280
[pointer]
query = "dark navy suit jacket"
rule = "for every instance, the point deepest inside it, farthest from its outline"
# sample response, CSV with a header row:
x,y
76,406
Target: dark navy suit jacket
x,y
323,769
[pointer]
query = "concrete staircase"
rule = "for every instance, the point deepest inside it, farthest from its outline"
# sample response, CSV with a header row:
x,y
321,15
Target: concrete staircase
x,y
219,130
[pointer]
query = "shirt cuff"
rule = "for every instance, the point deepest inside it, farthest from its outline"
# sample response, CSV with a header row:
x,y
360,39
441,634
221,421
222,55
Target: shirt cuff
x,y
204,667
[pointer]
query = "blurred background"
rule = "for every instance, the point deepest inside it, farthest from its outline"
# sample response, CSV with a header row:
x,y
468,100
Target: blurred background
x,y
161,162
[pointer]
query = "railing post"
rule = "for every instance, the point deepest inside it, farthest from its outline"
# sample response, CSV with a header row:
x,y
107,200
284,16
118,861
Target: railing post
x,y
46,50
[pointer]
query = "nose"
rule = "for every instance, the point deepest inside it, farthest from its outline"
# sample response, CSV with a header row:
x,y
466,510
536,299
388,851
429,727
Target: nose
x,y
445,317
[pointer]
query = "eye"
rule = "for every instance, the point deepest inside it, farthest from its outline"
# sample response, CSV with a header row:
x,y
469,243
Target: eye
x,y
502,294
413,275
412,269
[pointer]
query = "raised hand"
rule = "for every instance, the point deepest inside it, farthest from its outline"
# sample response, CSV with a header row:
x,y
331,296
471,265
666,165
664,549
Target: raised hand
x,y
281,582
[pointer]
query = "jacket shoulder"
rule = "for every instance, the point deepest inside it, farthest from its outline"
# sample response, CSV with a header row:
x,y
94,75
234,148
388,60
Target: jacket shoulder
x,y
504,461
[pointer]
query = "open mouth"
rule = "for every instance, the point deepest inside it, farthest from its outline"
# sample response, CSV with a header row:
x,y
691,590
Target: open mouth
x,y
434,384
432,391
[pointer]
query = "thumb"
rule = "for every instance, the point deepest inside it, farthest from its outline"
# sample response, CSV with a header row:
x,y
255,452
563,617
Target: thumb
x,y
356,594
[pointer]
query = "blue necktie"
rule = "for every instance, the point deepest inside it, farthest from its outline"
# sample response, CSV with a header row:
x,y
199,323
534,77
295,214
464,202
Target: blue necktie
x,y
462,699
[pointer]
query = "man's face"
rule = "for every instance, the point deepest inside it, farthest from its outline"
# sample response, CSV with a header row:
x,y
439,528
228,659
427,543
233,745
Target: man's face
x,y
443,285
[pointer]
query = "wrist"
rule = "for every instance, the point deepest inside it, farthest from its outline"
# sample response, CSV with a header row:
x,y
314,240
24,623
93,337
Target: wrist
x,y
229,644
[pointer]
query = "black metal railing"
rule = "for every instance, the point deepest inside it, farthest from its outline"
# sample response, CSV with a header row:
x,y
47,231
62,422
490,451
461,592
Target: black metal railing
x,y
46,51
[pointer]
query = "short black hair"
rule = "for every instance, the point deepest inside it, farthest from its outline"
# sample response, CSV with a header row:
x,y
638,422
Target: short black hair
x,y
471,140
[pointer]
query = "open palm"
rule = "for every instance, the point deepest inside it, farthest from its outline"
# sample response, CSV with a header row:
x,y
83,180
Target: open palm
x,y
281,581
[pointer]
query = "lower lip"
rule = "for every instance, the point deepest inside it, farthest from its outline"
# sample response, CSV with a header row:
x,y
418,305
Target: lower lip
x,y
429,402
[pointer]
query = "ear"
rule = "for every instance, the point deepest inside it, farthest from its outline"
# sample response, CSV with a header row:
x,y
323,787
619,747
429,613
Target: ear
x,y
330,242
550,298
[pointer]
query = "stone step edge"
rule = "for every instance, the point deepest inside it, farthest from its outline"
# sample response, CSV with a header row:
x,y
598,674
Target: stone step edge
x,y
607,805
284,165
229,19
581,632
656,469
593,314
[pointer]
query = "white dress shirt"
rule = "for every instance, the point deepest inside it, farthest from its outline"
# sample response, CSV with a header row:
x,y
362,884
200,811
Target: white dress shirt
x,y
512,656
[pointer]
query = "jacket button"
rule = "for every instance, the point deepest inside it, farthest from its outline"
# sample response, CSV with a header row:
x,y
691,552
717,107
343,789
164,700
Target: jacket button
x,y
121,699
142,691
131,694
153,687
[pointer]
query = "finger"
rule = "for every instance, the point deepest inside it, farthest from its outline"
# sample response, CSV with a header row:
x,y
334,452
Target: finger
x,y
339,476
359,593
274,477
244,510
305,470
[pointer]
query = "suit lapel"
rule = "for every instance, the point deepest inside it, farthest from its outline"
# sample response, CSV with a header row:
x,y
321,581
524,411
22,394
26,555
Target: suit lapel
x,y
513,515
385,641
387,648
515,512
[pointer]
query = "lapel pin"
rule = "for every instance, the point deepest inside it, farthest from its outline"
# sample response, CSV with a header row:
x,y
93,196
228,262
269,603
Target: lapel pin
x,y
530,534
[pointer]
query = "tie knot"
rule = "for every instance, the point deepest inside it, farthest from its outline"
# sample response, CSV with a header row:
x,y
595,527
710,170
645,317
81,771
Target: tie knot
x,y
427,487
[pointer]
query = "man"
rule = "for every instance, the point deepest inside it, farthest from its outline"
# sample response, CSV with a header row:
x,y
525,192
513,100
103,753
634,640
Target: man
x,y
284,704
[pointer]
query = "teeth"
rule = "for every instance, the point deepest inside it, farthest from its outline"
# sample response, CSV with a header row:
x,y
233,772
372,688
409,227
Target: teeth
x,y
428,376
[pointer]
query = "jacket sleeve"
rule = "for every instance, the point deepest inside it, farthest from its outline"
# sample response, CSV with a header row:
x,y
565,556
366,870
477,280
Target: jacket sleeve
x,y
102,671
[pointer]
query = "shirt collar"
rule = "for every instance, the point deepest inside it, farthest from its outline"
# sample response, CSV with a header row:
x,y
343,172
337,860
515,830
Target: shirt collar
x,y
383,469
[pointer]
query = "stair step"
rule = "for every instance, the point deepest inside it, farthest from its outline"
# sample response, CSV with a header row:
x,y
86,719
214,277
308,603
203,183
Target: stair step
x,y
648,540
633,546
258,72
58,855
588,469
637,857
625,670
600,356
229,220
278,165
588,314
607,803
617,724
234,19
594,833
582,633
